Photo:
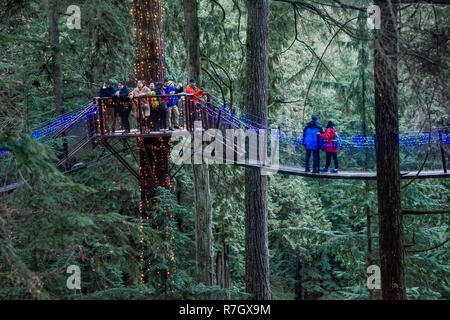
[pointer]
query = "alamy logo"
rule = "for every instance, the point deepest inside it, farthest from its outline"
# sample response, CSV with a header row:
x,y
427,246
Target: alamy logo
x,y
227,147
74,20
73,281
374,19
374,278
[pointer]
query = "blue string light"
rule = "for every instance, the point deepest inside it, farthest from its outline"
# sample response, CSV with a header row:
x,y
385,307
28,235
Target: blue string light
x,y
347,142
54,125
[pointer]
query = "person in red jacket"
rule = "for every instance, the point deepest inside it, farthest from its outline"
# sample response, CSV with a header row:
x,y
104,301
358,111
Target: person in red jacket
x,y
192,89
329,147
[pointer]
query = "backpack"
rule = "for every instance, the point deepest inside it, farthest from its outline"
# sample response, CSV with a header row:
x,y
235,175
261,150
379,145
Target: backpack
x,y
311,138
154,102
337,141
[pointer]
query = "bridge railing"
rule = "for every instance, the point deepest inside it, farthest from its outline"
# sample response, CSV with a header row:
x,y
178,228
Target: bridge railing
x,y
77,136
356,153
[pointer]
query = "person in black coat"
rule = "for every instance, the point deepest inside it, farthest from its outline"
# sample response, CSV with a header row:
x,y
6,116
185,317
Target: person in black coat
x,y
108,91
123,105
159,90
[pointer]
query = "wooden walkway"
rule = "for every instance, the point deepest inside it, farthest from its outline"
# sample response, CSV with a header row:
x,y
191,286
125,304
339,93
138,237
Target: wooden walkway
x,y
346,175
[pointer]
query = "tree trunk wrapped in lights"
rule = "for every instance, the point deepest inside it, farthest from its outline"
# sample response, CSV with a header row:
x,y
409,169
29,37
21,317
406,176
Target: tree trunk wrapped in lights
x,y
154,152
149,36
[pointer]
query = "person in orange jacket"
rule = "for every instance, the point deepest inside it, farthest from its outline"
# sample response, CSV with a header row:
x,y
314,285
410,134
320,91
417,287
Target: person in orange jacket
x,y
192,89
330,147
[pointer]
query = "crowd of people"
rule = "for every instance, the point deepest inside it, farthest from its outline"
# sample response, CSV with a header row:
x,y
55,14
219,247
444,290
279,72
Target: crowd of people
x,y
315,139
158,113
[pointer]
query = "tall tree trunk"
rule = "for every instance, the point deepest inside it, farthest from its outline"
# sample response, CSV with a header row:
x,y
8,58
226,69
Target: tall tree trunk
x,y
154,153
192,34
57,76
149,65
387,156
363,62
149,35
203,210
256,237
223,272
203,226
299,289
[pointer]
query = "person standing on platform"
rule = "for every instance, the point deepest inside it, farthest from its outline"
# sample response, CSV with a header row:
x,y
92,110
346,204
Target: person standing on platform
x,y
124,105
159,91
140,91
108,91
330,145
312,129
192,89
172,104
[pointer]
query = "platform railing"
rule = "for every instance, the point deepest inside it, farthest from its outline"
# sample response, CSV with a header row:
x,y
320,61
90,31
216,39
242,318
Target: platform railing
x,y
149,113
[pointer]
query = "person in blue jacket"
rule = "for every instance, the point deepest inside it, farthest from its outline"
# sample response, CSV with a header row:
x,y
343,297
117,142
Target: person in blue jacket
x,y
108,91
123,105
310,141
172,104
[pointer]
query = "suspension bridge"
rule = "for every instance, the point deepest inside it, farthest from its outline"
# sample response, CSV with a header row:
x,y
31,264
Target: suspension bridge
x,y
75,135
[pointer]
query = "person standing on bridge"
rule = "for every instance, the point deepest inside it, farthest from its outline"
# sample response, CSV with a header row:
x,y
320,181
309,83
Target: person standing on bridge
x,y
330,145
312,129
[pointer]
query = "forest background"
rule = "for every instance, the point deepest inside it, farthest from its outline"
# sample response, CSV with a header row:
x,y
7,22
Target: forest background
x,y
320,63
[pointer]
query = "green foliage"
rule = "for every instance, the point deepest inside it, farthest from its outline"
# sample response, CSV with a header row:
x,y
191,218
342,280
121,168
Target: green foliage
x,y
91,218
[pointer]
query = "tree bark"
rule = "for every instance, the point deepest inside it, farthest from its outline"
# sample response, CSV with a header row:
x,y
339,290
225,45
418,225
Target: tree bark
x,y
256,233
149,35
57,76
203,210
192,36
223,272
154,153
363,61
299,289
387,156
203,226
149,65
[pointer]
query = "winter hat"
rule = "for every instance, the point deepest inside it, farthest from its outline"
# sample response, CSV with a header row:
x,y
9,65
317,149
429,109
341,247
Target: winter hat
x,y
192,80
315,117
